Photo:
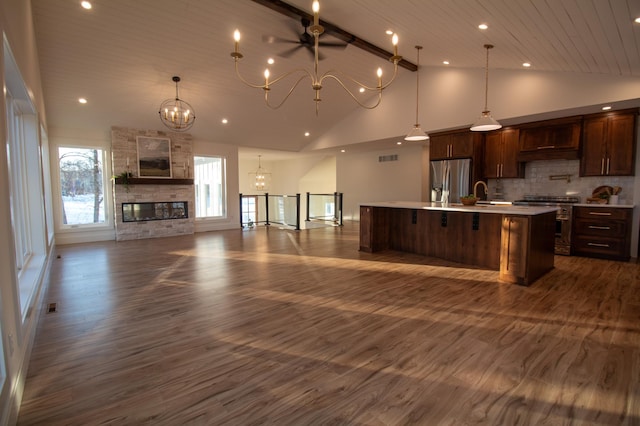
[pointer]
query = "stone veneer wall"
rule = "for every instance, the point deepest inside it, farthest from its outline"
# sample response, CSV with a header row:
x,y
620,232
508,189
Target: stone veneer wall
x,y
123,146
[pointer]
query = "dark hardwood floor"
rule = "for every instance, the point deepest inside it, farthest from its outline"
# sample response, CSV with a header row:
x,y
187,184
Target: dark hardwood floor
x,y
300,328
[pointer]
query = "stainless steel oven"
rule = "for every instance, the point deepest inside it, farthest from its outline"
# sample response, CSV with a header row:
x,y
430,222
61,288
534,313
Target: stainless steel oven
x,y
563,217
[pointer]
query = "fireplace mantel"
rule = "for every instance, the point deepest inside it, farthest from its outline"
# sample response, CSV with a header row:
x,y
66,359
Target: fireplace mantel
x,y
155,181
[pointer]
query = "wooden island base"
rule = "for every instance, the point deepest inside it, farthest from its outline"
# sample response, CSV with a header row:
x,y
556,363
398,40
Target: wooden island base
x,y
517,242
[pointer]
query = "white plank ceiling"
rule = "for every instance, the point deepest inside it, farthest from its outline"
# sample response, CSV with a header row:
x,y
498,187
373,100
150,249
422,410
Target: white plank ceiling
x,y
122,53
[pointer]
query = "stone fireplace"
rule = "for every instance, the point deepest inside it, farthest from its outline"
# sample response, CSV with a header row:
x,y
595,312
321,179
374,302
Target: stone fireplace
x,y
172,198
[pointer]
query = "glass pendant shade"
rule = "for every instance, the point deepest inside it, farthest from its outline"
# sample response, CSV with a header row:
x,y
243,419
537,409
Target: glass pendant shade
x,y
416,134
485,123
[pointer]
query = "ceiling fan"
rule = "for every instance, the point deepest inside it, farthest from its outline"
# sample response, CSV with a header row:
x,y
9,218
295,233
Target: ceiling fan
x,y
305,40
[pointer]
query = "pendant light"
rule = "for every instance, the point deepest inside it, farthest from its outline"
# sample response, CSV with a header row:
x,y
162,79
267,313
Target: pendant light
x,y
486,122
417,134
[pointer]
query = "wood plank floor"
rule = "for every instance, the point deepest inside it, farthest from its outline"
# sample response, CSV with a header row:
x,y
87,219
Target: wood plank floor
x,y
300,328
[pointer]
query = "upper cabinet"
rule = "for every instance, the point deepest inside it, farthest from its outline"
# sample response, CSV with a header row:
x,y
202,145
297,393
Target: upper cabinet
x,y
608,144
550,140
501,154
455,144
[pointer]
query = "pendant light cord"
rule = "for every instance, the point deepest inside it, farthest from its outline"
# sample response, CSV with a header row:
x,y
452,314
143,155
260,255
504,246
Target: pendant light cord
x,y
486,78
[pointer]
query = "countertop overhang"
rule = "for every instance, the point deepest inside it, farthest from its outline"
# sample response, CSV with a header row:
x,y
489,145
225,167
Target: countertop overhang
x,y
455,207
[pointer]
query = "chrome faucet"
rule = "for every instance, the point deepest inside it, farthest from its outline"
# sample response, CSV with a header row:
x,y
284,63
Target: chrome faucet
x,y
475,188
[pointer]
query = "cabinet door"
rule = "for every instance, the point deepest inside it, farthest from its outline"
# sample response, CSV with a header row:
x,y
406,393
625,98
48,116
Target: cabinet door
x,y
439,147
462,145
510,168
493,154
620,143
592,162
534,139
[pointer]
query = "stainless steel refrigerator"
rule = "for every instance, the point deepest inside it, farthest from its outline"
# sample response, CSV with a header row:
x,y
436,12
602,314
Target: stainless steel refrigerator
x,y
450,179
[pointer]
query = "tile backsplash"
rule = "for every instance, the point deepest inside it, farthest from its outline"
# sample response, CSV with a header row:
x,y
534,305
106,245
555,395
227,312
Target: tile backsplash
x,y
537,182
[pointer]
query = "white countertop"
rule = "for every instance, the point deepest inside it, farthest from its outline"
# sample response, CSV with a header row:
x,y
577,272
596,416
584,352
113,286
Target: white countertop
x,y
456,207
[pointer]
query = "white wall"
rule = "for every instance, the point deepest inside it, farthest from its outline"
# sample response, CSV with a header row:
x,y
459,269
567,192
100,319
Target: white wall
x,y
363,179
454,97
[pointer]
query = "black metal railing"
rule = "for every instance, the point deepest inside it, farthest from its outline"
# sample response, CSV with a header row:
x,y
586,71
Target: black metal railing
x,y
325,207
268,209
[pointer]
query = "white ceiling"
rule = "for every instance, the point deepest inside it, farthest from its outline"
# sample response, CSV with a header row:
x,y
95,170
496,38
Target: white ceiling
x,y
122,54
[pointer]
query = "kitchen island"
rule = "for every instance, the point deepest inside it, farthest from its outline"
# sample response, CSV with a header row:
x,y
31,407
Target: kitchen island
x,y
516,240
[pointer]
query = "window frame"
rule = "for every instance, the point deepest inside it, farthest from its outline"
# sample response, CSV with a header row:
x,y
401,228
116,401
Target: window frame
x,y
106,186
223,189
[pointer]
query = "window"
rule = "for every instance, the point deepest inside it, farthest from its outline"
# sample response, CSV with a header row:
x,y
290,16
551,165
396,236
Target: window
x,y
26,196
82,185
210,187
249,210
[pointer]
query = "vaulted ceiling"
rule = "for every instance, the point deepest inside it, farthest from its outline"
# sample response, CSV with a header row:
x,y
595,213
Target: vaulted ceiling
x,y
121,55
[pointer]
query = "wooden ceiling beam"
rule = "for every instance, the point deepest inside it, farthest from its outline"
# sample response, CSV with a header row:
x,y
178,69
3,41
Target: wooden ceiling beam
x,y
293,12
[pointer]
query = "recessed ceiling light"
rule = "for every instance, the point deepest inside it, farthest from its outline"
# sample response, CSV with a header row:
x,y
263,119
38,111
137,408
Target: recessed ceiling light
x,y
362,90
398,143
82,100
225,121
85,4
526,64
445,62
343,150
638,20
270,61
483,26
307,133
389,32
606,108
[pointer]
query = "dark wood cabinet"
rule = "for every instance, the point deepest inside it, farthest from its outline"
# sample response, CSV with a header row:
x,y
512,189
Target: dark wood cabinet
x,y
454,144
550,140
501,154
374,231
519,246
527,247
603,232
608,144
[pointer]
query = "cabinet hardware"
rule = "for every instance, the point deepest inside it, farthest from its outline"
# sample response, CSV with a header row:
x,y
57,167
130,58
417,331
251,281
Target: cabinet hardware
x,y
546,147
608,164
497,170
599,214
606,228
597,245
602,166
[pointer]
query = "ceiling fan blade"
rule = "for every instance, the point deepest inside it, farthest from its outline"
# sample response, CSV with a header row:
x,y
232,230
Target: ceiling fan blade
x,y
273,39
287,53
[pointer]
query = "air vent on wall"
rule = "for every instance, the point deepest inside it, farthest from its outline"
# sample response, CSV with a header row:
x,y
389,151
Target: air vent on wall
x,y
383,158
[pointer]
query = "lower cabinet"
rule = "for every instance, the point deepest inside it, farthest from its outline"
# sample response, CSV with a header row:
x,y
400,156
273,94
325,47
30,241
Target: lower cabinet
x,y
519,246
374,231
603,232
526,248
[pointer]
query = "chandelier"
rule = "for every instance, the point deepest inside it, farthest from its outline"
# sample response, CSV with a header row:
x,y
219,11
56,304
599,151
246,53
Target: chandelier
x,y
261,178
486,122
176,114
316,78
